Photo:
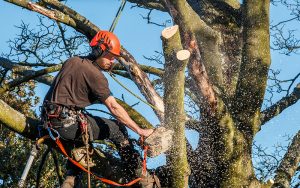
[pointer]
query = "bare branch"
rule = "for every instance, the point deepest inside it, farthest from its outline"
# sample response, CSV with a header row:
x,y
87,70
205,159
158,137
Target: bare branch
x,y
149,21
35,74
62,31
25,71
146,69
287,44
289,164
284,21
66,15
281,105
150,4
143,82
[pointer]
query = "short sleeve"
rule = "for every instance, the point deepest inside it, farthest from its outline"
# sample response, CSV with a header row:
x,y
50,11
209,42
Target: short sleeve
x,y
99,87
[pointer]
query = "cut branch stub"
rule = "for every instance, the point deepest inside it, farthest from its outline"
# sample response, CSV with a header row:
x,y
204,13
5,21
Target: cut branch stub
x,y
183,55
169,31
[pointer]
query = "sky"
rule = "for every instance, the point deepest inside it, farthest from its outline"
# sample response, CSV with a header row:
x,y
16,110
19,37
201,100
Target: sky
x,y
142,39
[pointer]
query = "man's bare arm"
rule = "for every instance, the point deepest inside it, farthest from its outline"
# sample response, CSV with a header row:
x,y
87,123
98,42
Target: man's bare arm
x,y
120,113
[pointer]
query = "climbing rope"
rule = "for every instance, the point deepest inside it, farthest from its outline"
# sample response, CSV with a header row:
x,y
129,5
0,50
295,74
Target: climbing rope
x,y
111,29
104,180
114,77
114,23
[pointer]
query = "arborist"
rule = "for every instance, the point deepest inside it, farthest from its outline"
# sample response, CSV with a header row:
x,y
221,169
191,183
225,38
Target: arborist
x,y
79,84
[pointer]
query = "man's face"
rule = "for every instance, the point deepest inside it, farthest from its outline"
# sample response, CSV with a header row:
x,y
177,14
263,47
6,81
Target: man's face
x,y
106,61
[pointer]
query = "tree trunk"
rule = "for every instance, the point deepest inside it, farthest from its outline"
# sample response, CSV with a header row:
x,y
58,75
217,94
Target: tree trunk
x,y
174,79
224,158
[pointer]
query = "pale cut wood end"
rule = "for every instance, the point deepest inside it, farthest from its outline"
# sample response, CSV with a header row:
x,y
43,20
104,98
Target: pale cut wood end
x,y
169,31
183,55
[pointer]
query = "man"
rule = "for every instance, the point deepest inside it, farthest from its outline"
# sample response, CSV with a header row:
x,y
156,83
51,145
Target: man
x,y
81,83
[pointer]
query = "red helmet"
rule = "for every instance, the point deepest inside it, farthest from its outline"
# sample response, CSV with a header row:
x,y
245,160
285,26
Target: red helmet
x,y
107,41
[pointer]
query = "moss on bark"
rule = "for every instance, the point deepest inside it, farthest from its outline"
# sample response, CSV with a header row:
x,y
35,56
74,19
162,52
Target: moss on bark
x,y
174,80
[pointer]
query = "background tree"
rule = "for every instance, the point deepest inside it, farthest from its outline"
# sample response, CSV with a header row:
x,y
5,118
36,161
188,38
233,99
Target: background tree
x,y
225,46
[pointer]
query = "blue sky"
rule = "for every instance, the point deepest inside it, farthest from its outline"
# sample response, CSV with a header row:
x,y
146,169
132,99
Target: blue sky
x,y
143,39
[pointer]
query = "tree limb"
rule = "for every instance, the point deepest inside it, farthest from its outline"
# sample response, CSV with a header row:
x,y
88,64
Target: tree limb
x,y
34,74
80,25
280,106
24,71
289,164
146,69
196,67
83,25
150,4
206,38
175,63
17,122
143,83
253,74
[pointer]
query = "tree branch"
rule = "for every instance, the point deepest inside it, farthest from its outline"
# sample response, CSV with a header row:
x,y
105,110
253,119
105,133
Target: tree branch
x,y
83,25
143,83
25,71
17,122
149,4
79,23
255,64
146,69
34,74
289,164
176,60
196,67
280,106
206,38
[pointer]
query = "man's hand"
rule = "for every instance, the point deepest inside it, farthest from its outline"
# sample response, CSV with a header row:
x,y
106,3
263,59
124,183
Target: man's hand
x,y
146,132
120,113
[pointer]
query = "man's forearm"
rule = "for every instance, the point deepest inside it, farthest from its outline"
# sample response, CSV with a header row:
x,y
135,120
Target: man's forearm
x,y
120,113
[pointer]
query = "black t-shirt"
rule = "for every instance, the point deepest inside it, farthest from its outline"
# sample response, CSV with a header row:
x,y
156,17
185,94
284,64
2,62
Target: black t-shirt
x,y
79,83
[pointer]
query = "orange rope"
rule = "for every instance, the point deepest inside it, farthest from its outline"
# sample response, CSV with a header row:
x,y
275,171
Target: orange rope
x,y
59,144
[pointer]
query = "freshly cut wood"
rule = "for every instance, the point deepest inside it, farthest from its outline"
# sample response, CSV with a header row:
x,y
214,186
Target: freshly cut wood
x,y
169,31
183,55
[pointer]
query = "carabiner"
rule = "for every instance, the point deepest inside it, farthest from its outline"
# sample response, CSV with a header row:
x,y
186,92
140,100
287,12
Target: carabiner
x,y
51,135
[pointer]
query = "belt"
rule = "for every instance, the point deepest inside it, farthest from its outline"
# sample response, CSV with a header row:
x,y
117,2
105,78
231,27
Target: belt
x,y
59,115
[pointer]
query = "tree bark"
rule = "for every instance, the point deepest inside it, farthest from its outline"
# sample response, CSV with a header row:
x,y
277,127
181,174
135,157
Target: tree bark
x,y
288,165
255,64
280,106
175,63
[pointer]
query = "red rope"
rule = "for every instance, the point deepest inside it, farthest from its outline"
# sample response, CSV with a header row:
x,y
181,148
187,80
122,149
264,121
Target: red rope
x,y
107,181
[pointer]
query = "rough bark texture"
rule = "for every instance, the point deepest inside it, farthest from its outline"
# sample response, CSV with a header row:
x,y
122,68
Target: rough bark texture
x,y
289,164
174,80
17,122
144,84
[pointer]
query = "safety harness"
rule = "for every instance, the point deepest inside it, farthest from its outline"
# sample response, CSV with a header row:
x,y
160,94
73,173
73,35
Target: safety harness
x,y
82,119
